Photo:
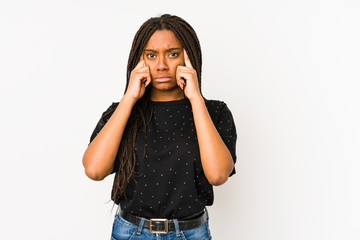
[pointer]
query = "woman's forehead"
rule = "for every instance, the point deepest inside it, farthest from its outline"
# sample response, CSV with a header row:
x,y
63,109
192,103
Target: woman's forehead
x,y
163,39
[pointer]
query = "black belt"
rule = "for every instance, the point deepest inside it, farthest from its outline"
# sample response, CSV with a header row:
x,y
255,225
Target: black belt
x,y
163,225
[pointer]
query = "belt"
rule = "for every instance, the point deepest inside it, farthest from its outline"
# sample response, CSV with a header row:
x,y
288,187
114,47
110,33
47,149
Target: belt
x,y
163,225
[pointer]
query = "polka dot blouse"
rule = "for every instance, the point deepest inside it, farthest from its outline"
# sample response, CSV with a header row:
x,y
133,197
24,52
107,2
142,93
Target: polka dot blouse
x,y
171,182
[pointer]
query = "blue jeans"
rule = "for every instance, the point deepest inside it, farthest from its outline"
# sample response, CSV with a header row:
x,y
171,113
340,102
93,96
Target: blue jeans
x,y
124,230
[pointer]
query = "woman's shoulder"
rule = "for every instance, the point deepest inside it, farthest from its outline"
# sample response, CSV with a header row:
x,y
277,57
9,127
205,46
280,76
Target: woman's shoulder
x,y
215,105
217,109
109,111
114,104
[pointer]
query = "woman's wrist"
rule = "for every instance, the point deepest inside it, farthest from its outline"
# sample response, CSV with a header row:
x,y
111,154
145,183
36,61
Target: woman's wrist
x,y
128,99
195,100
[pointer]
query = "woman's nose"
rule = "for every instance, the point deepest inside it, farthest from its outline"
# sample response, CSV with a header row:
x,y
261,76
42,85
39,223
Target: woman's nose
x,y
162,65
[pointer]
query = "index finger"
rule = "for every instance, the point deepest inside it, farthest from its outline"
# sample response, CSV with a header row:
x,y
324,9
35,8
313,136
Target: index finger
x,y
141,63
187,60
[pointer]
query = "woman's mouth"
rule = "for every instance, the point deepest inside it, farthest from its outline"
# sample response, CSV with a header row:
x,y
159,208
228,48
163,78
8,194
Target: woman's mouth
x,y
162,79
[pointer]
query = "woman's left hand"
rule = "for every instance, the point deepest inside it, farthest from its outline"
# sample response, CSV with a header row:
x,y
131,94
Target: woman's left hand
x,y
187,80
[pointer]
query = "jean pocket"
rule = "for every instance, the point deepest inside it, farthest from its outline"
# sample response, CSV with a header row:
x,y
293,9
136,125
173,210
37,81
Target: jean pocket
x,y
122,229
199,233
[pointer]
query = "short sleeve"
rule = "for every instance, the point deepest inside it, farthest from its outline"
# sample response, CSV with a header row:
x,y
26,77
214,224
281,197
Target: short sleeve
x,y
101,123
227,130
103,120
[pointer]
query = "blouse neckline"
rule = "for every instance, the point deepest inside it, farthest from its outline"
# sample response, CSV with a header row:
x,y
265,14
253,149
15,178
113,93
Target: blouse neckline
x,y
170,103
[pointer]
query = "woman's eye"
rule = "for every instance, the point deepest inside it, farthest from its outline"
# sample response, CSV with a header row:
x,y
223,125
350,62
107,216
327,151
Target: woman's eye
x,y
151,56
174,54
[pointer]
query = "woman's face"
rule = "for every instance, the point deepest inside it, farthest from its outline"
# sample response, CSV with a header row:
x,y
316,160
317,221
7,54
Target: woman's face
x,y
163,53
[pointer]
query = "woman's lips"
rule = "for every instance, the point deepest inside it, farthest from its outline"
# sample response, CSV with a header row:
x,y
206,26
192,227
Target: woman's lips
x,y
162,79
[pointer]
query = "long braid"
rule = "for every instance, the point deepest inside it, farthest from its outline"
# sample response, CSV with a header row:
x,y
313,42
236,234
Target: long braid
x,y
126,155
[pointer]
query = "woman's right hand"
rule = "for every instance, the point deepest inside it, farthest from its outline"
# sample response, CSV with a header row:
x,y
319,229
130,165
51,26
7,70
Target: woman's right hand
x,y
139,79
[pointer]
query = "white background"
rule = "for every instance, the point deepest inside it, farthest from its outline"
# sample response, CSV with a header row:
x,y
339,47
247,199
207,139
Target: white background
x,y
288,70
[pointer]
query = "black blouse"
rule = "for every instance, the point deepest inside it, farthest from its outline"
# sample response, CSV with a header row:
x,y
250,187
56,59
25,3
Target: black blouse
x,y
172,183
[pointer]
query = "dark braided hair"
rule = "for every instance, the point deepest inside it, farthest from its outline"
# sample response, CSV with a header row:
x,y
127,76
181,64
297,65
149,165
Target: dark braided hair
x,y
126,155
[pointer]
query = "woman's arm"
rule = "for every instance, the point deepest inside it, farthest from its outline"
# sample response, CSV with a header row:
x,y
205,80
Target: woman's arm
x,y
100,155
216,158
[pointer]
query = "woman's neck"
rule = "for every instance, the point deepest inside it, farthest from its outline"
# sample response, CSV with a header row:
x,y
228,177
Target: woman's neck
x,y
165,96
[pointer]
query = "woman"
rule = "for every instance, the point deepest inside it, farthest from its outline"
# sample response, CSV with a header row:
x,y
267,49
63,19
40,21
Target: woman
x,y
166,143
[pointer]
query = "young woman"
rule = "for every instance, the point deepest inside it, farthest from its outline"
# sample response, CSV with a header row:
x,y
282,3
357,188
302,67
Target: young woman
x,y
167,144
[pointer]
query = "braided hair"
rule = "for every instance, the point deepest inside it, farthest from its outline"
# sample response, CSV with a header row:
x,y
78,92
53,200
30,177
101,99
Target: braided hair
x,y
126,153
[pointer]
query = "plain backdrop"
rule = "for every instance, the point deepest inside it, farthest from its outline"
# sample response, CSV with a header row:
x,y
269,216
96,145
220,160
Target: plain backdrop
x,y
288,70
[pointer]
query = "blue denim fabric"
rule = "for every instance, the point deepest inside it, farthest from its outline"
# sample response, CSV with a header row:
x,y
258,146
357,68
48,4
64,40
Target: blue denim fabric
x,y
124,230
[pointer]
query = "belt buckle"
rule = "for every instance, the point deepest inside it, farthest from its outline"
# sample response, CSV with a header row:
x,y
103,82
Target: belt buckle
x,y
154,225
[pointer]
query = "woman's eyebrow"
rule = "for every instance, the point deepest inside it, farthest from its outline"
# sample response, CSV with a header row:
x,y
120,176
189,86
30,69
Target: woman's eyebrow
x,y
149,50
167,50
173,49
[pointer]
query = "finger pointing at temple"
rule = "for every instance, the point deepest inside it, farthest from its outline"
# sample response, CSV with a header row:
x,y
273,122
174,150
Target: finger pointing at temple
x,y
187,60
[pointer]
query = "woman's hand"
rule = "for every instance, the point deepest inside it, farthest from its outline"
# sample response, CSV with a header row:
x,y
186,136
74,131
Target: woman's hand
x,y
187,80
139,79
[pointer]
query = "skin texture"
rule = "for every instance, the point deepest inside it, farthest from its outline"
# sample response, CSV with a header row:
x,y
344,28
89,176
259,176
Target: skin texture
x,y
166,68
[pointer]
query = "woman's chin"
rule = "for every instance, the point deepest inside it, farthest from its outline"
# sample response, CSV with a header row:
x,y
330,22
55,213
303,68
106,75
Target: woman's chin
x,y
166,92
165,86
